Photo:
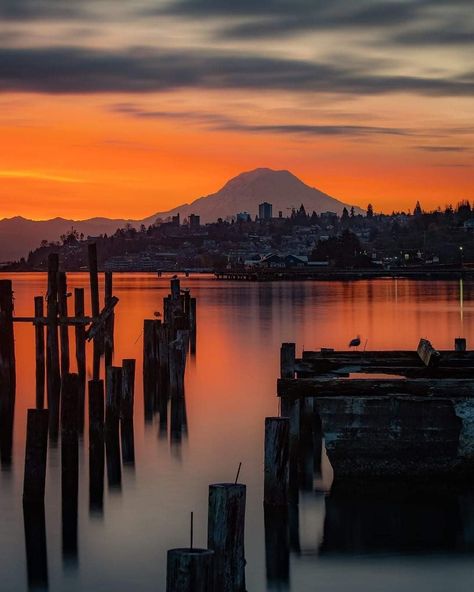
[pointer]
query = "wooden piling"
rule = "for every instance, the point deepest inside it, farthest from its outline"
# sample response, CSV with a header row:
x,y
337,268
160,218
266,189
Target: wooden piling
x,y
96,445
35,455
149,367
80,334
80,339
63,327
225,535
109,326
112,418
52,350
39,352
287,370
163,358
95,305
69,433
287,360
276,484
94,279
175,289
126,411
7,341
190,570
460,344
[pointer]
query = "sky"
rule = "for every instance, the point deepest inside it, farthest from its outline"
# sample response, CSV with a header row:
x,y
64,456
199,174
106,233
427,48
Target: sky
x,y
125,108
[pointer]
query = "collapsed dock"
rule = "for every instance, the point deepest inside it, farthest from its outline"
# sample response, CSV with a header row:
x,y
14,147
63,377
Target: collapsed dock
x,y
385,413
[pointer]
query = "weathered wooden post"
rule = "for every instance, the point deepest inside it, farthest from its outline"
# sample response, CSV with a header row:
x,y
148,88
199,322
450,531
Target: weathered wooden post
x,y
95,305
80,339
190,570
276,483
69,463
126,411
35,544
52,350
96,445
35,455
460,344
163,357
193,324
94,279
80,334
112,419
287,370
291,408
305,447
287,360
7,341
225,535
149,367
63,327
39,352
109,326
175,288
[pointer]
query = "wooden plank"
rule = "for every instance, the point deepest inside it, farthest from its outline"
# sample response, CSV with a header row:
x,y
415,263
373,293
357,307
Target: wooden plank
x,y
428,354
402,371
98,324
339,387
40,320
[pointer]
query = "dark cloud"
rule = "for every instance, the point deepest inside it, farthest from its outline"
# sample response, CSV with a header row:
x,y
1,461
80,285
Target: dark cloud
x,y
220,122
442,148
78,70
39,9
425,19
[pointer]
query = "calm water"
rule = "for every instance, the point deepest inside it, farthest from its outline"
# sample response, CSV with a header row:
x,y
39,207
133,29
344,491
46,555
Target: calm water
x,y
338,543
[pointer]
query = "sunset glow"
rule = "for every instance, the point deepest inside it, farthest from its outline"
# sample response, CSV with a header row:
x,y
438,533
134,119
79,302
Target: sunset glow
x,y
125,109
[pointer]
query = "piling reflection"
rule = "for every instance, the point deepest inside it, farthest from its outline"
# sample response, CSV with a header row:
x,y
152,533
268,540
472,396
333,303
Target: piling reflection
x,y
35,544
277,548
401,519
96,446
7,414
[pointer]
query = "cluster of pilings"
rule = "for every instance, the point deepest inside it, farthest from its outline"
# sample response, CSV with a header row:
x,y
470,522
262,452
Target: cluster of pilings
x,y
111,401
221,566
111,443
166,344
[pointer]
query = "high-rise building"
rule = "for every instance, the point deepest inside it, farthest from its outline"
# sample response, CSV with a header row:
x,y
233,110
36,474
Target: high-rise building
x,y
194,221
265,211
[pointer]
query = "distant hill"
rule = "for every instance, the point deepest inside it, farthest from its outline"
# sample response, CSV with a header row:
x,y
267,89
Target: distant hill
x,y
19,236
245,192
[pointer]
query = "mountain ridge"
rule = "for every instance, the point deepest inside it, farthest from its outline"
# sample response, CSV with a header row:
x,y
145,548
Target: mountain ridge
x,y
244,192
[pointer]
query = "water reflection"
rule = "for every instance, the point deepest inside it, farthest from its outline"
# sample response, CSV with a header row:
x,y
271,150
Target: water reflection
x,y
35,544
428,519
192,441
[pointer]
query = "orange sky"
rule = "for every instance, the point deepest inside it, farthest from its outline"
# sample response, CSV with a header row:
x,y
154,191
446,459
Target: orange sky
x,y
93,126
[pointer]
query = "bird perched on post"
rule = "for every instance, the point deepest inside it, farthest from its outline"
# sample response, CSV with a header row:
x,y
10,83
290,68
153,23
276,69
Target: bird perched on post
x,y
355,342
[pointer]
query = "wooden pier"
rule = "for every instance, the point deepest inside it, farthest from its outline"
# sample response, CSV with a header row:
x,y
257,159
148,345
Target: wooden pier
x,y
385,413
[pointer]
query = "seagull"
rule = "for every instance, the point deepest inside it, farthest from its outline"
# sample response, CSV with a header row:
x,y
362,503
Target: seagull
x,y
355,342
